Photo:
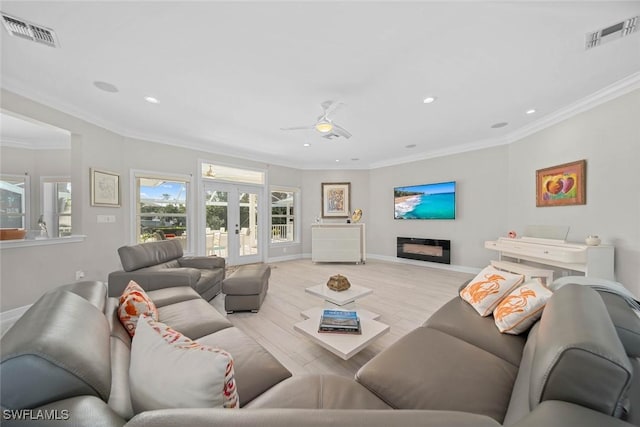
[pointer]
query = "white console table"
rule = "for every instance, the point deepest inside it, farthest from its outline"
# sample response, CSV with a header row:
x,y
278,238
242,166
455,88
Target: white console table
x,y
338,243
593,261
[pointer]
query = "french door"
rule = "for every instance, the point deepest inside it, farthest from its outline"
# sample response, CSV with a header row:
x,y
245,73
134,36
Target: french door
x,y
233,222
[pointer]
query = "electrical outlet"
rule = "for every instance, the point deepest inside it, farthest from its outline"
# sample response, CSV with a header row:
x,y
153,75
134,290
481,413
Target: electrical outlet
x,y
79,274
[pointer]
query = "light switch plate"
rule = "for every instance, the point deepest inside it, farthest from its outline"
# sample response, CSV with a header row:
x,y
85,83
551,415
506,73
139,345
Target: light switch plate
x,y
103,219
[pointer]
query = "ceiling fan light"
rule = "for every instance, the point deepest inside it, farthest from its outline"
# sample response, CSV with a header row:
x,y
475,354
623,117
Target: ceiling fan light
x,y
324,127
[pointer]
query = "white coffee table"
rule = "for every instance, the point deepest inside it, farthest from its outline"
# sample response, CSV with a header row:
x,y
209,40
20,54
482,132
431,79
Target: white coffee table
x,y
342,300
342,345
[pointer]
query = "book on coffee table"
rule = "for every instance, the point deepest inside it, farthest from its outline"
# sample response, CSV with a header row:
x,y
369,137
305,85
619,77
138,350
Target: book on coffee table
x,y
339,321
339,330
339,318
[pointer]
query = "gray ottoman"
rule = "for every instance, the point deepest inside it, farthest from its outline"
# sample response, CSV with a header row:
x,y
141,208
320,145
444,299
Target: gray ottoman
x,y
246,288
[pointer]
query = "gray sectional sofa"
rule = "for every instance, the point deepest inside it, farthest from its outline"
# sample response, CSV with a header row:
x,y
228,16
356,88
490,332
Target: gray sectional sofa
x,y
577,366
155,265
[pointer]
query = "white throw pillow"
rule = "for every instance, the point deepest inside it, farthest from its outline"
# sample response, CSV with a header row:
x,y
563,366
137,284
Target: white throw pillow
x,y
522,307
488,288
169,370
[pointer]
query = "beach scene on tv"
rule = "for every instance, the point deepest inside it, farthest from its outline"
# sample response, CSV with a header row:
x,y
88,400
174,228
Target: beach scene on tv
x,y
428,201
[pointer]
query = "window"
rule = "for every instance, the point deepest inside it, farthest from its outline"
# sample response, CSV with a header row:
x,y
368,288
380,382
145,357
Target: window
x,y
161,208
284,205
56,206
14,201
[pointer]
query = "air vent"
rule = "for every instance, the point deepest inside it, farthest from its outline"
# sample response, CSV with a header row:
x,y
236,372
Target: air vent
x,y
613,32
26,30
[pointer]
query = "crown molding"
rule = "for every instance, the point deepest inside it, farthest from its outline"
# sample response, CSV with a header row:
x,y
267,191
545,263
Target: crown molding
x,y
457,149
615,90
606,94
212,147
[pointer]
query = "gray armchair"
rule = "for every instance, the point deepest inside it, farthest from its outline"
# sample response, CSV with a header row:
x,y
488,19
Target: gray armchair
x,y
157,265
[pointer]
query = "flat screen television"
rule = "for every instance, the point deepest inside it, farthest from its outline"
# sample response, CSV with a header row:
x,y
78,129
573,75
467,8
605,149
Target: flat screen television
x,y
427,201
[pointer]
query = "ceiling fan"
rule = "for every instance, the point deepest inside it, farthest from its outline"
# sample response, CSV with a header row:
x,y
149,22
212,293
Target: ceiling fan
x,y
324,124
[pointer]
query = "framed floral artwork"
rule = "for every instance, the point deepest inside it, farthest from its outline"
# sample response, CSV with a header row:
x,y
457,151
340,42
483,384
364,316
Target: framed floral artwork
x,y
562,185
336,198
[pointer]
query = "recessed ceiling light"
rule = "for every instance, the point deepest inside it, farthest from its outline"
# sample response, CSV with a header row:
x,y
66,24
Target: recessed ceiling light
x,y
531,111
151,99
306,144
410,146
107,87
499,125
429,99
337,160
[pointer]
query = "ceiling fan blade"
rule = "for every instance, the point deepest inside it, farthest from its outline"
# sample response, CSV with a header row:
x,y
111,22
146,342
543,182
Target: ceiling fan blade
x,y
326,104
341,131
330,107
298,128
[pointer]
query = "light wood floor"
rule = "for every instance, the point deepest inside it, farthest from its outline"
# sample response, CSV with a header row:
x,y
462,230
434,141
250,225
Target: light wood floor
x,y
404,295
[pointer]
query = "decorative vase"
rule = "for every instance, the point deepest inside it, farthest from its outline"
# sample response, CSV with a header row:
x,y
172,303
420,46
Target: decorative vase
x,y
356,216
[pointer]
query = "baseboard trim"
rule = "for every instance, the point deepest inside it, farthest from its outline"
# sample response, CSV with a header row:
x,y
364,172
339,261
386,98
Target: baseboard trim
x,y
458,268
9,317
450,267
284,258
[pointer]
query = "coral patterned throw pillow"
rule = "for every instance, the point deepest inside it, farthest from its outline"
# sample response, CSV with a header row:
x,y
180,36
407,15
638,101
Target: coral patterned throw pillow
x,y
522,307
488,288
133,303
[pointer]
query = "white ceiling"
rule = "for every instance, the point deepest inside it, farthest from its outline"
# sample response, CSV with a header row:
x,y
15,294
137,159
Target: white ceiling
x,y
229,75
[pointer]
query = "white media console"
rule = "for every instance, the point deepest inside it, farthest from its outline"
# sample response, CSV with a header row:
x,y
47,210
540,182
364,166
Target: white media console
x,y
338,243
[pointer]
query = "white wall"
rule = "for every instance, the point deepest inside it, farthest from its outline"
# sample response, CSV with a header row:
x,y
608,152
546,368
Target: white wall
x,y
312,198
480,204
495,194
608,137
496,190
27,273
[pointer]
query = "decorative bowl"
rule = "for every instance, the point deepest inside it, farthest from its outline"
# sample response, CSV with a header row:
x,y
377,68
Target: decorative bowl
x,y
12,233
338,283
592,240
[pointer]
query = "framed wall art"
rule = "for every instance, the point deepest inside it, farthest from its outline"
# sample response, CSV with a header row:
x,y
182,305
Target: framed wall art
x,y
105,188
562,185
336,199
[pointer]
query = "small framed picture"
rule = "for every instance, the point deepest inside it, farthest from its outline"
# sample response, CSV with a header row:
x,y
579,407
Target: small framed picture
x,y
105,188
336,198
562,185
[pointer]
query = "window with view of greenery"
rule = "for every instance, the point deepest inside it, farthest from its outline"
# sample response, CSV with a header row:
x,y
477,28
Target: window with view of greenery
x,y
216,210
162,209
283,205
